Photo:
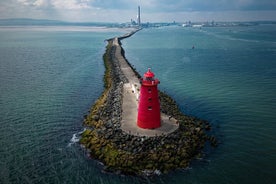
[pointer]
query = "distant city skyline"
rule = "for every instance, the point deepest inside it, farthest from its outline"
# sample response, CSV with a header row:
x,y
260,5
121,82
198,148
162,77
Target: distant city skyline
x,y
151,10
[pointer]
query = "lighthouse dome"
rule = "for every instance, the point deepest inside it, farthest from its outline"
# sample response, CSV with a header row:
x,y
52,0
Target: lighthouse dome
x,y
149,74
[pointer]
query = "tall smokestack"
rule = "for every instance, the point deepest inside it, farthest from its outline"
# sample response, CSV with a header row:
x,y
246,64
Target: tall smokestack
x,y
139,17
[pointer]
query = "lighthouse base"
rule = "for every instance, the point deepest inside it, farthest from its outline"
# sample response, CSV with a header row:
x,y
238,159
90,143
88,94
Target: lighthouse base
x,y
151,125
129,118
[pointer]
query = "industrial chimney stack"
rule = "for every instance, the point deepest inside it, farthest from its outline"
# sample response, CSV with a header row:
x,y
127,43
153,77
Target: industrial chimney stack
x,y
139,17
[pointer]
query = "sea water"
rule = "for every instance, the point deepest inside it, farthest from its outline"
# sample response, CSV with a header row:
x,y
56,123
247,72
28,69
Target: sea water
x,y
226,75
50,77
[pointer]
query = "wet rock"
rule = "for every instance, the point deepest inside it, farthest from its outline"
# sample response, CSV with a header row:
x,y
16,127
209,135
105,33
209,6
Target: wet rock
x,y
95,117
208,127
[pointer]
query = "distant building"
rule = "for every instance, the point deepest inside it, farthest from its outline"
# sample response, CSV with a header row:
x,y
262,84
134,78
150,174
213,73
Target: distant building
x,y
133,22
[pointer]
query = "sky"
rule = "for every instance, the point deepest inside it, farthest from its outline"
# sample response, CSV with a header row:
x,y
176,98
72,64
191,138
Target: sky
x,y
119,11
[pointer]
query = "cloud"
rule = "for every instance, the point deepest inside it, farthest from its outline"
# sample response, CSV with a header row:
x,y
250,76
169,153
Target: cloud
x,y
71,4
114,4
41,3
209,5
57,4
124,10
156,5
25,2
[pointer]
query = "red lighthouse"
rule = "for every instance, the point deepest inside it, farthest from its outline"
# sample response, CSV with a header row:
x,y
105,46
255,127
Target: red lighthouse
x,y
149,105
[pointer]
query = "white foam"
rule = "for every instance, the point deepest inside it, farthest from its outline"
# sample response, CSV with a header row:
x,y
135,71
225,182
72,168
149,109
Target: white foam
x,y
76,137
152,172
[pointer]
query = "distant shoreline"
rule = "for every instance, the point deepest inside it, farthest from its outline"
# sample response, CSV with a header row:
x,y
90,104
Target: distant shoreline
x,y
46,22
64,28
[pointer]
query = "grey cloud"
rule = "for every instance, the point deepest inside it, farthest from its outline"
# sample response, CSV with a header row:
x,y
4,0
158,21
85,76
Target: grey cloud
x,y
113,4
212,5
170,5
122,10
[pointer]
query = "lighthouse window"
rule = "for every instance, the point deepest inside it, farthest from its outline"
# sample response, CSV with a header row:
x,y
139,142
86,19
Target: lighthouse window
x,y
149,108
149,99
149,90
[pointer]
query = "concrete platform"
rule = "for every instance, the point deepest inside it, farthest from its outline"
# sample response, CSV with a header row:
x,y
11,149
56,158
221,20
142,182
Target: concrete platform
x,y
130,103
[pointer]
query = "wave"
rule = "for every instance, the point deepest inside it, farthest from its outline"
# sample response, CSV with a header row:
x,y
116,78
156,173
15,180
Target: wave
x,y
75,138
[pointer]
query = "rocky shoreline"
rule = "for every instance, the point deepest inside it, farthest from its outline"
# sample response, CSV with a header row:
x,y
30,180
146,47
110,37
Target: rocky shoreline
x,y
139,155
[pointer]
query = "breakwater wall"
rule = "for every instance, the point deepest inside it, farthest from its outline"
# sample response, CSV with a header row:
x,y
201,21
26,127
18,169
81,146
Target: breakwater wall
x,y
138,155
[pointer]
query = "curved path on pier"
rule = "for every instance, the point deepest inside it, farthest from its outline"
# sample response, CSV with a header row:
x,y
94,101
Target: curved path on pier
x,y
130,102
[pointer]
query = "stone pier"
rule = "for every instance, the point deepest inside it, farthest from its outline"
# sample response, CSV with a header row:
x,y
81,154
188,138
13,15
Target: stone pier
x,y
130,102
113,138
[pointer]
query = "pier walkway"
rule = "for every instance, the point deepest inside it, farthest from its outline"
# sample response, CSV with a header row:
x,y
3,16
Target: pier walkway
x,y
130,102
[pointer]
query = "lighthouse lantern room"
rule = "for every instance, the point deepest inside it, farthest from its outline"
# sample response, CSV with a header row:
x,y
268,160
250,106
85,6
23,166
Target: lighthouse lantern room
x,y
149,105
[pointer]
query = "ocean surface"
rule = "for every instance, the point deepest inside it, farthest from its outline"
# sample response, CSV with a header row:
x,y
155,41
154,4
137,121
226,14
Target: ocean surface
x,y
51,76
